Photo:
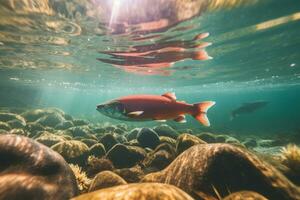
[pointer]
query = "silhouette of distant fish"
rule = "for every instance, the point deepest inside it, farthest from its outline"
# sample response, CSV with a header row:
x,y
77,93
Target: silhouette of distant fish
x,y
247,108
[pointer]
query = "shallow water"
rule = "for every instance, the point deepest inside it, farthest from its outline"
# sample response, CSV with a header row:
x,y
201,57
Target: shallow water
x,y
73,55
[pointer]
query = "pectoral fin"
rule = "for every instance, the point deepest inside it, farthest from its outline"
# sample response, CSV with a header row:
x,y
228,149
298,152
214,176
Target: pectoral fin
x,y
180,119
135,113
160,120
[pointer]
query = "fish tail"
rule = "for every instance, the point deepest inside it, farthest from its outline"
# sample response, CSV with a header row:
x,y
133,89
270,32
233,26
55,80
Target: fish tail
x,y
201,110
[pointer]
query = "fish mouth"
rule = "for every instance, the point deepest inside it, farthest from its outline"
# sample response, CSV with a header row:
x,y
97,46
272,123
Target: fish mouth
x,y
100,106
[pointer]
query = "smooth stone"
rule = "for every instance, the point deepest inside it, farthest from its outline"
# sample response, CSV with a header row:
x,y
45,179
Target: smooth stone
x,y
133,134
164,139
125,156
207,137
108,140
80,122
227,168
73,151
185,141
245,195
96,165
165,130
137,191
148,138
250,143
131,175
106,179
89,142
49,139
97,150
33,171
64,125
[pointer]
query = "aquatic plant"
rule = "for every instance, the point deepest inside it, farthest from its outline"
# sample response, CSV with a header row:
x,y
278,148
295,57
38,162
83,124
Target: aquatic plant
x,y
82,180
290,156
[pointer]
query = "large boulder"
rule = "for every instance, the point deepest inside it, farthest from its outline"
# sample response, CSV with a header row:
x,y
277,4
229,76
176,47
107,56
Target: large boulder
x,y
30,170
227,168
139,191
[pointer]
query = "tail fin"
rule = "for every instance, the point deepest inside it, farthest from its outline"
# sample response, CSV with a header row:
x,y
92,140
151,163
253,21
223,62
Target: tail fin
x,y
201,110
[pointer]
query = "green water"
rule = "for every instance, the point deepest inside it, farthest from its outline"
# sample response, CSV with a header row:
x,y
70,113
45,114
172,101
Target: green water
x,y
61,54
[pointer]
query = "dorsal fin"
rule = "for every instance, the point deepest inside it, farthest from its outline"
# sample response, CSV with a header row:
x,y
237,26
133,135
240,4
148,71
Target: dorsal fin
x,y
170,95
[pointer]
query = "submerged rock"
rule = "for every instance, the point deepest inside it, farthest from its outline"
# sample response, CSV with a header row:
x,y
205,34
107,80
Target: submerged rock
x,y
227,168
97,150
125,156
148,138
131,175
80,122
64,125
89,142
96,165
18,131
51,119
49,139
32,171
164,139
165,130
185,141
250,142
14,120
139,191
73,151
5,126
133,134
108,140
161,157
245,195
106,179
207,137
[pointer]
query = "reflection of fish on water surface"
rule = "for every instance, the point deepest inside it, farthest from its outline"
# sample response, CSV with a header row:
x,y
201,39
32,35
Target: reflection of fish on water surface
x,y
151,59
248,108
155,107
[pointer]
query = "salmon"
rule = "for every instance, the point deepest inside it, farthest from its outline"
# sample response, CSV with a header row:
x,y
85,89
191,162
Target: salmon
x,y
155,107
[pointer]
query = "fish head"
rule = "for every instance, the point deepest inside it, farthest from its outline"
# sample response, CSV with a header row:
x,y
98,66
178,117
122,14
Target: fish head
x,y
112,109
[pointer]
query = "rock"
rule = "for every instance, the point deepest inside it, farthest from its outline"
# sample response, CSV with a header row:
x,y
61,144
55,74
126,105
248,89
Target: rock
x,y
33,128
160,158
33,171
73,151
18,131
132,134
227,168
164,139
125,156
270,143
64,125
232,140
108,140
123,127
138,191
247,195
34,115
106,179
131,175
3,131
5,126
13,118
80,122
165,130
250,143
89,142
49,139
119,131
110,128
51,119
185,141
121,139
16,123
148,138
96,165
207,137
97,150
82,131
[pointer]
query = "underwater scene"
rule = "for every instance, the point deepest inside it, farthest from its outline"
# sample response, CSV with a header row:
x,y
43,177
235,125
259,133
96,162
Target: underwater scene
x,y
149,99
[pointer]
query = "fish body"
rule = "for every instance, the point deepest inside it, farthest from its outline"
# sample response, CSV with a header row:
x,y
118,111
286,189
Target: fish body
x,y
154,107
247,108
